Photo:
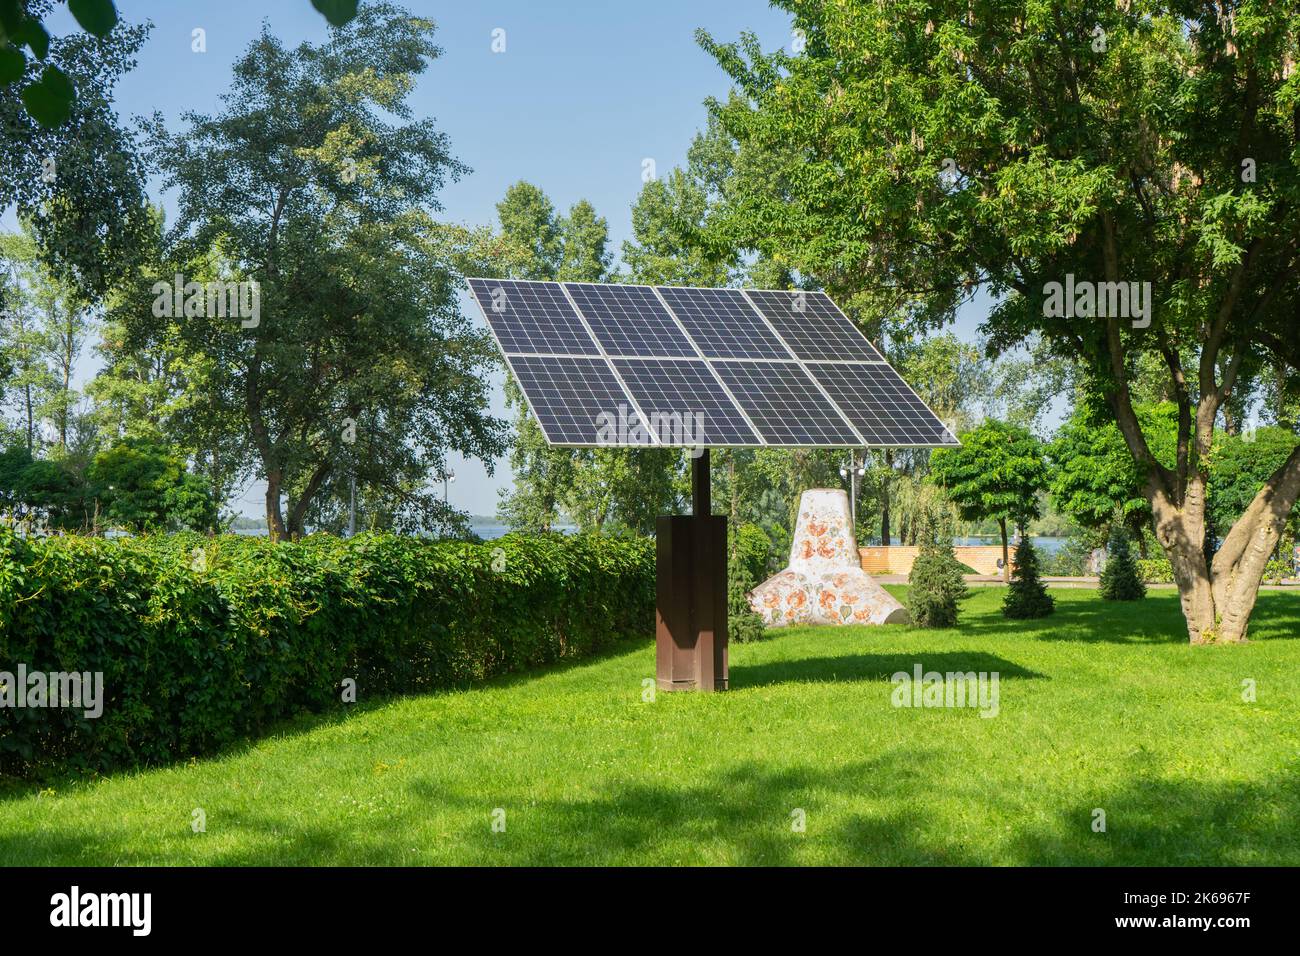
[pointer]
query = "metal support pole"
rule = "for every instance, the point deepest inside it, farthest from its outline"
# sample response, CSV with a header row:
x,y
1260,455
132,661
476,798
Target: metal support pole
x,y
691,593
701,491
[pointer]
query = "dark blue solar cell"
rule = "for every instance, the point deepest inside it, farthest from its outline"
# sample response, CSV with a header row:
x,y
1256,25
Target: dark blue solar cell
x,y
881,405
722,323
683,403
629,320
578,401
532,318
812,326
785,405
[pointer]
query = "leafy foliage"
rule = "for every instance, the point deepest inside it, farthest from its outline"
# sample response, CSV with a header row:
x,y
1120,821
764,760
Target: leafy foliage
x,y
935,582
996,473
145,487
1239,466
1093,476
747,554
1027,596
204,641
315,181
1120,580
930,150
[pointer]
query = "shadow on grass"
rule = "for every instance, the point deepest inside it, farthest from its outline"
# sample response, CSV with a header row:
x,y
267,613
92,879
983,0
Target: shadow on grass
x,y
872,667
891,809
308,722
1089,620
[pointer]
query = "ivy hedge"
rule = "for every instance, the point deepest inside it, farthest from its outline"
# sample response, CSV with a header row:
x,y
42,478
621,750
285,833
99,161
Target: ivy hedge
x,y
205,641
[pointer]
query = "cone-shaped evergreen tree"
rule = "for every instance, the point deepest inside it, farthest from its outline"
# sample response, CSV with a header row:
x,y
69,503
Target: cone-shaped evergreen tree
x,y
1026,594
1120,580
935,584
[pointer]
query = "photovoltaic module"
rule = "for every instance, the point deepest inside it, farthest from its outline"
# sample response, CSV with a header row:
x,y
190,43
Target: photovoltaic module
x,y
605,364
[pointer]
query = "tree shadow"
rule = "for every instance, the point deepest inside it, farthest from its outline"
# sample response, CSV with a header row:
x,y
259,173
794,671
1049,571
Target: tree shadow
x,y
1172,823
882,810
307,722
873,667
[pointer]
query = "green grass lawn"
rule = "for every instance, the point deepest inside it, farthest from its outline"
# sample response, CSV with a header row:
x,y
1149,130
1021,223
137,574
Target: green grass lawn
x,y
1101,706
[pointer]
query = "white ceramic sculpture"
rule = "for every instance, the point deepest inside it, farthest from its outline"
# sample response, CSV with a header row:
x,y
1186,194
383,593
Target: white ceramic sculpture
x,y
825,583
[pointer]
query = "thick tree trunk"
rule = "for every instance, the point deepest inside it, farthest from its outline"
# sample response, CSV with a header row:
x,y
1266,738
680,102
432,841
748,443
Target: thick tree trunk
x,y
1218,596
274,518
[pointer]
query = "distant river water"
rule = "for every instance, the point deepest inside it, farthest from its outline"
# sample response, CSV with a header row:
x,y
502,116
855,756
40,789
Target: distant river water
x,y
1047,545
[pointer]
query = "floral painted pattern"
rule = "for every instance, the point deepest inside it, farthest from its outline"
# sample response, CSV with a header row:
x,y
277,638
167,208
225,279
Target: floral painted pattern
x,y
824,583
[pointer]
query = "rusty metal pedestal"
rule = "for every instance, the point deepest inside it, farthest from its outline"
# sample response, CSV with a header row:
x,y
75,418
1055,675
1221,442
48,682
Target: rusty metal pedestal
x,y
691,593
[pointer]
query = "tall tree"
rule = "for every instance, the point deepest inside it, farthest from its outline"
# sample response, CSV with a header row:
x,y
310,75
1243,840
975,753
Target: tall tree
x,y
361,360
1147,149
584,245
996,473
542,475
528,220
79,182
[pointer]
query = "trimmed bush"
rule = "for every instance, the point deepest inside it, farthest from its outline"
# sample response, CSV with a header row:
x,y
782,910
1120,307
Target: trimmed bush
x,y
935,585
1119,578
1155,570
1027,596
205,641
746,564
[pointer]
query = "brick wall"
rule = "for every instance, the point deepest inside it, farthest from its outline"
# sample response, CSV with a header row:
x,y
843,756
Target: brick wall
x,y
897,559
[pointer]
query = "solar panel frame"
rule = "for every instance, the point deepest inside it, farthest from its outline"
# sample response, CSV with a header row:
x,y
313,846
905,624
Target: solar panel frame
x,y
881,405
629,320
563,332
819,423
820,332
802,391
665,387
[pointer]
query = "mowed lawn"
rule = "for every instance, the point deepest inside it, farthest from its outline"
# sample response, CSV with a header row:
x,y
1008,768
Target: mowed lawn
x,y
1103,706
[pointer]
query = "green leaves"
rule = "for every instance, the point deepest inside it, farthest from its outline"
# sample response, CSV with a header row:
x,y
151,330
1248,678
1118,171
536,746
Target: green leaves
x,y
30,32
49,99
12,65
996,473
337,12
205,641
96,17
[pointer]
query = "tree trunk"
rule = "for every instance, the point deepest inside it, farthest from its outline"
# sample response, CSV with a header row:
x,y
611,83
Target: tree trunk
x,y
27,401
1218,596
298,509
1006,558
274,518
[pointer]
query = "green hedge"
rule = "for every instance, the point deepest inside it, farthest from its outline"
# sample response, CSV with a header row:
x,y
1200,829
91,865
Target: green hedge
x,y
1155,570
204,641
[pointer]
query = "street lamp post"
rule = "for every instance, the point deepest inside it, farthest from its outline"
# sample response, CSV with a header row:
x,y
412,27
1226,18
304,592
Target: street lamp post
x,y
352,505
447,478
853,471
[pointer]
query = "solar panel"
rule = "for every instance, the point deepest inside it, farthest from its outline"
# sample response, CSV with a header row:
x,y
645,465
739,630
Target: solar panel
x,y
785,405
578,401
684,404
812,326
629,319
881,405
532,317
722,323
625,365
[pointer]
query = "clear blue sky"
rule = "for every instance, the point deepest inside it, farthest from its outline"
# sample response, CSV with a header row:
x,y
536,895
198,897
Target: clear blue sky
x,y
584,91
